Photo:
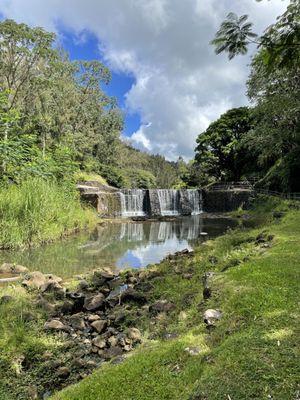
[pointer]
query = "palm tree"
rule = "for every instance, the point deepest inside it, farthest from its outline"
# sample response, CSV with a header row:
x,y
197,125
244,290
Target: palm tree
x,y
234,36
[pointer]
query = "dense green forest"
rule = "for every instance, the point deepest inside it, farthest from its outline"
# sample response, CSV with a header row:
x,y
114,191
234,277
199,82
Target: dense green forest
x,y
57,120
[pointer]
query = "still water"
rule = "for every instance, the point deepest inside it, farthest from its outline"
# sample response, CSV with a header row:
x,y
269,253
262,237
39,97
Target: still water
x,y
120,245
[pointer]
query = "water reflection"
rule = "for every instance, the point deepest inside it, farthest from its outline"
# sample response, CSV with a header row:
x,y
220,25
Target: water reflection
x,y
120,245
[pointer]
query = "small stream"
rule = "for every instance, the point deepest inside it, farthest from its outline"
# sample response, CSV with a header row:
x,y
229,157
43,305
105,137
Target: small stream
x,y
120,245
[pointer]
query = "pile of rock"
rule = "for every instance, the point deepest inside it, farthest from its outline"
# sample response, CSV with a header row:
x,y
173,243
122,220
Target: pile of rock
x,y
97,318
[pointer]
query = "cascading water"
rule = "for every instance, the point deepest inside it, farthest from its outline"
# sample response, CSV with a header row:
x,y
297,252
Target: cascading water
x,y
168,201
165,202
195,200
132,202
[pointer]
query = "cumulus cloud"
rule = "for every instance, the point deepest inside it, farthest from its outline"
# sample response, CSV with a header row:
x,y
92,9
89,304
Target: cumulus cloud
x,y
180,84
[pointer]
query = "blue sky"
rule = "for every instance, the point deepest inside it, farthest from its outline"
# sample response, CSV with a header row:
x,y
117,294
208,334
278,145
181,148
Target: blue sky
x,y
87,48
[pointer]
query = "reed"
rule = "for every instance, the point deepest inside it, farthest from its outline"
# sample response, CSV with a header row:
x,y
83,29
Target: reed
x,y
38,211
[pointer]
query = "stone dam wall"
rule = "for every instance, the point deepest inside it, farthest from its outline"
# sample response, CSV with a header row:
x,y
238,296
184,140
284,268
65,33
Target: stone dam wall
x,y
111,202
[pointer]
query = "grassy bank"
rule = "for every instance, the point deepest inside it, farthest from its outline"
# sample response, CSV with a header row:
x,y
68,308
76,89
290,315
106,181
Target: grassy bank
x,y
253,353
38,211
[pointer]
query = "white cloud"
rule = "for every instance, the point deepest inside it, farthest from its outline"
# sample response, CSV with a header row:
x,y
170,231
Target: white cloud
x,y
181,85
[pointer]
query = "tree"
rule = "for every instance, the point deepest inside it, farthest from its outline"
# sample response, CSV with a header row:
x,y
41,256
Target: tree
x,y
280,42
220,152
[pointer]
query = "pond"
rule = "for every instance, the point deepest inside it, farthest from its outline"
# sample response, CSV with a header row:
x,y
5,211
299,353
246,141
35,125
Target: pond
x,y
120,245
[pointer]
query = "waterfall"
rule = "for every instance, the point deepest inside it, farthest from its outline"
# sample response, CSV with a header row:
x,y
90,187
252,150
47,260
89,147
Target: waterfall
x,y
195,200
168,201
132,202
155,202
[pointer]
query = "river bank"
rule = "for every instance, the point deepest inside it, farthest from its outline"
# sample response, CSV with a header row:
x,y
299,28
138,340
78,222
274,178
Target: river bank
x,y
249,352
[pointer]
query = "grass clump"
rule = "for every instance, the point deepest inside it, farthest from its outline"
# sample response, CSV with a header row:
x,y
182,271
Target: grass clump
x,y
22,343
38,211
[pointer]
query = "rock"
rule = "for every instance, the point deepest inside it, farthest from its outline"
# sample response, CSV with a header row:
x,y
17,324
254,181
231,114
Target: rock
x,y
55,325
66,307
211,316
8,268
112,352
91,364
77,321
119,317
170,336
99,325
63,372
78,300
161,306
37,280
33,393
93,317
187,276
206,279
53,287
83,285
94,302
47,395
79,362
45,305
132,295
112,341
134,334
6,299
102,276
99,342
193,351
47,355
34,280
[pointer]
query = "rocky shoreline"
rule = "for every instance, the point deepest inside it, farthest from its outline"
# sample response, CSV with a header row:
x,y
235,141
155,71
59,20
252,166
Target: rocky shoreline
x,y
95,321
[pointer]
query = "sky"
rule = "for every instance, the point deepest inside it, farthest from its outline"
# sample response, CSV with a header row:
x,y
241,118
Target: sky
x,y
165,75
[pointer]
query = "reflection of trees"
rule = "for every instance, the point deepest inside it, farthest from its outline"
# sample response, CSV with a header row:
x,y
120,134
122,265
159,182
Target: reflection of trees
x,y
108,243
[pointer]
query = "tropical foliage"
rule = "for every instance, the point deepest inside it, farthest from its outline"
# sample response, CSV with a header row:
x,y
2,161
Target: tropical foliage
x,y
56,119
272,143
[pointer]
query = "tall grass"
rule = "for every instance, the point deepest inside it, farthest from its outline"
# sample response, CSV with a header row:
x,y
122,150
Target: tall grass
x,y
37,211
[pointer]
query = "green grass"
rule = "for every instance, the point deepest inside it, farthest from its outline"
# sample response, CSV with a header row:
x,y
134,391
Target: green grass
x,y
38,211
252,354
22,342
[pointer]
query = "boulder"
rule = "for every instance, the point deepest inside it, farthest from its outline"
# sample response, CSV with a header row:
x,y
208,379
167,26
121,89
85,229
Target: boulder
x,y
134,334
161,306
93,317
38,280
112,341
132,295
211,316
53,287
99,325
94,302
111,352
99,342
77,321
55,325
83,285
102,276
63,372
9,268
